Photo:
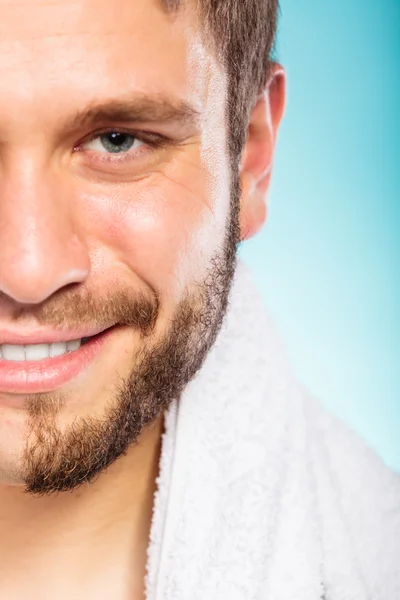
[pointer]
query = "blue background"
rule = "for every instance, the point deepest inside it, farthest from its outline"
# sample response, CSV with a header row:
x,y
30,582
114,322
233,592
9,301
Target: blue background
x,y
327,261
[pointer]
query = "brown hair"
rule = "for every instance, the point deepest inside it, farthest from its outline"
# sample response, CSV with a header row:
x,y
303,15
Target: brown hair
x,y
242,33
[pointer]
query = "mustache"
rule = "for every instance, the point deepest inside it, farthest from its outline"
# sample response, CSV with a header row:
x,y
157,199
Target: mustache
x,y
72,309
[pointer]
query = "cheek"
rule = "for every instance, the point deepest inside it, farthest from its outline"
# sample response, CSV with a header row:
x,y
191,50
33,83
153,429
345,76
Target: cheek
x,y
163,228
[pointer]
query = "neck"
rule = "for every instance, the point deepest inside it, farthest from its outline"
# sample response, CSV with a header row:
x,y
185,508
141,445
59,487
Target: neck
x,y
77,532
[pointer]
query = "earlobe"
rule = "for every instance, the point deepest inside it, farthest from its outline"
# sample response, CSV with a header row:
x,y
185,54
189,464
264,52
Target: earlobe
x,y
253,218
253,211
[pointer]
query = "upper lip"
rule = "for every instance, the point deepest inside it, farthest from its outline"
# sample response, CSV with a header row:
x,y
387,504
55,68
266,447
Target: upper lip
x,y
46,336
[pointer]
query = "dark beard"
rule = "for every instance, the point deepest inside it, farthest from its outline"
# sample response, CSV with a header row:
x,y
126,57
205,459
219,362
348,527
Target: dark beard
x,y
56,461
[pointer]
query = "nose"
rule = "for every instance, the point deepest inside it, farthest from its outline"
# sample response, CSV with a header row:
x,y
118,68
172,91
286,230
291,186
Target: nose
x,y
41,249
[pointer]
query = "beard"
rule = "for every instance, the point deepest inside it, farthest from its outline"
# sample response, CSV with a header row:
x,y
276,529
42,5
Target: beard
x,y
54,461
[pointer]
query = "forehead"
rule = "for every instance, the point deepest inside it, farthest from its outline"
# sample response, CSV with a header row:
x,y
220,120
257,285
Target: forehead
x,y
86,47
28,15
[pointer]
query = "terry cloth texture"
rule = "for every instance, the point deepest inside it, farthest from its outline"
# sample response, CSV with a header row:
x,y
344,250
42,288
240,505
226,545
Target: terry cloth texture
x,y
262,494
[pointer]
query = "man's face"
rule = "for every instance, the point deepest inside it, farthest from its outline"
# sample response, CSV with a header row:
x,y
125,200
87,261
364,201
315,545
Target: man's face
x,y
99,227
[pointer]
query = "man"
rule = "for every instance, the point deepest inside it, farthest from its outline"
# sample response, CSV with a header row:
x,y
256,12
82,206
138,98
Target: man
x,y
153,442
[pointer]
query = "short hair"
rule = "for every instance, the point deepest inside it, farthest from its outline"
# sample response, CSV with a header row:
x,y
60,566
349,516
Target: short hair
x,y
242,33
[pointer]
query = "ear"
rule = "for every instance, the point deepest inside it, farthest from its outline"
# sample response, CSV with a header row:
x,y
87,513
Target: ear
x,y
256,161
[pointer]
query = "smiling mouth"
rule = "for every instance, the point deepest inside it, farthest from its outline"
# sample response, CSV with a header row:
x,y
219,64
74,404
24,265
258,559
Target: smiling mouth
x,y
46,367
37,352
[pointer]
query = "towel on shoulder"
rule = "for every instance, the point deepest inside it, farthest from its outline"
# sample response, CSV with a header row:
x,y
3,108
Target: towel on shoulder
x,y
262,494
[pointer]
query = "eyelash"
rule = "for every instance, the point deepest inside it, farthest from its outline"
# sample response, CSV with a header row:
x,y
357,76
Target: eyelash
x,y
153,141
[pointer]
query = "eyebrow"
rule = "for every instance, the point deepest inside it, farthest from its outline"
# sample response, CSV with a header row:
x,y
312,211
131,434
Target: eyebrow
x,y
171,6
141,109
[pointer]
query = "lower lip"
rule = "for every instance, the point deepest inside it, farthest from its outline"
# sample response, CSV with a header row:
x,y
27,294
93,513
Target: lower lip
x,y
49,374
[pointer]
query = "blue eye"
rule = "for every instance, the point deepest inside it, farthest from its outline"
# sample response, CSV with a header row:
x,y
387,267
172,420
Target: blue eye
x,y
113,142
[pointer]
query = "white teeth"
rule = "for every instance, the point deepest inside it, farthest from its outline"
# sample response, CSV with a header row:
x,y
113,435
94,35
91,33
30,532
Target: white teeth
x,y
58,349
72,346
36,351
14,352
11,352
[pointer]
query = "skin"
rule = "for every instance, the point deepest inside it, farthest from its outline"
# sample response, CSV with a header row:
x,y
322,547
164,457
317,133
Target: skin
x,y
77,224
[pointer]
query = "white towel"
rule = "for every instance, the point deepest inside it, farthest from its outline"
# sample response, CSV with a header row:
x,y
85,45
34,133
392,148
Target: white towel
x,y
262,494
